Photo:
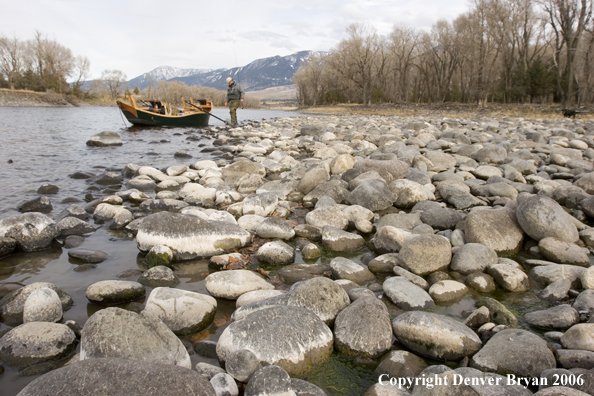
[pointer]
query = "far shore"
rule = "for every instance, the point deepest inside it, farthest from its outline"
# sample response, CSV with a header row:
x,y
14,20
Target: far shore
x,y
24,98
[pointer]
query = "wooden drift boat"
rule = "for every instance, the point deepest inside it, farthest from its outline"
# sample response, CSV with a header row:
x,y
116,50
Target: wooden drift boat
x,y
156,113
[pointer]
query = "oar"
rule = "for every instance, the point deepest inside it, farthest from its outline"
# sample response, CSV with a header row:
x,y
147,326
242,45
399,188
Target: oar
x,y
201,109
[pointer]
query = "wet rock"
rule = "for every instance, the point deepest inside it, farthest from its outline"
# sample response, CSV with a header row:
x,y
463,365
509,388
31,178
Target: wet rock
x,y
363,328
293,337
74,226
435,336
424,254
14,304
114,292
184,312
159,255
401,364
7,246
40,204
190,236
276,253
116,376
270,380
322,296
36,342
304,388
274,227
159,276
560,317
405,294
118,216
310,252
87,255
48,189
232,284
383,264
42,305
343,268
541,217
105,139
481,282
447,290
499,313
242,364
32,231
338,240
514,351
297,272
117,333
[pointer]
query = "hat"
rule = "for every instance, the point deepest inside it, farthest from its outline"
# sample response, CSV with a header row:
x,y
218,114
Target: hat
x,y
229,79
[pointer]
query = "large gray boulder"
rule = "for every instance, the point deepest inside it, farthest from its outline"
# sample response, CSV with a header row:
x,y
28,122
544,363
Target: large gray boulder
x,y
117,333
190,236
495,228
363,328
292,337
43,305
436,336
372,194
473,257
14,304
36,342
184,312
119,377
105,139
322,296
560,317
32,231
542,217
114,292
425,254
514,351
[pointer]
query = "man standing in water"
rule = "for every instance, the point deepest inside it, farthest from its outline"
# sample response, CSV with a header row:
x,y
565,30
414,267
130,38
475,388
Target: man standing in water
x,y
234,98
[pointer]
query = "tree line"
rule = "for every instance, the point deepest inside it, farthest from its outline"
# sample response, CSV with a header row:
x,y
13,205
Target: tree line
x,y
508,51
41,64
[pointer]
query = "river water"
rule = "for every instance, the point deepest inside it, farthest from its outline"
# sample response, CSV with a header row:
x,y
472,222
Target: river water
x,y
45,145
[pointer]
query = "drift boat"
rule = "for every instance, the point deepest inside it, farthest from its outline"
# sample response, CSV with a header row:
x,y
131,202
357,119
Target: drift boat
x,y
195,113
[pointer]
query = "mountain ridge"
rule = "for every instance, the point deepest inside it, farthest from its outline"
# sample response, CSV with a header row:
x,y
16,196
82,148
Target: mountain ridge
x,y
260,74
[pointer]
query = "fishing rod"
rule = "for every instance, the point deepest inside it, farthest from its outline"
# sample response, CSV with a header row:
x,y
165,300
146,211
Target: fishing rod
x,y
201,109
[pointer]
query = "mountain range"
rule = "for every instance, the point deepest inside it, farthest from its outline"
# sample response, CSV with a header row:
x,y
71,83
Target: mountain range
x,y
260,74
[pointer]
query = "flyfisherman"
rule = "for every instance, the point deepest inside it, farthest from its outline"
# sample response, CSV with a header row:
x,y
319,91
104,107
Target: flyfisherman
x,y
234,99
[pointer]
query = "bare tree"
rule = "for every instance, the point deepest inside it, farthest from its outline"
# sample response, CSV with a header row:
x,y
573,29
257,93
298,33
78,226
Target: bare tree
x,y
114,81
11,59
353,58
403,45
82,70
568,19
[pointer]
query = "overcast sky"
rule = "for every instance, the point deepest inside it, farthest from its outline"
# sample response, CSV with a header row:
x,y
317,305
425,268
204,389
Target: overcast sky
x,y
137,36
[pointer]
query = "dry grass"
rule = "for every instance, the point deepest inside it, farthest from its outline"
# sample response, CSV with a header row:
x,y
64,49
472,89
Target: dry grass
x,y
452,110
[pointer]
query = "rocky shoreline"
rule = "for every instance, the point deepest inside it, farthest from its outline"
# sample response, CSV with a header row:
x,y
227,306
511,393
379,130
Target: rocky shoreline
x,y
409,213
